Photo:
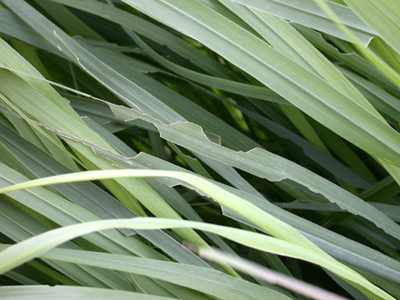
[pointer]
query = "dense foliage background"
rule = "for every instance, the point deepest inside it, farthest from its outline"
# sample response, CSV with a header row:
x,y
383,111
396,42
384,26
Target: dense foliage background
x,y
267,129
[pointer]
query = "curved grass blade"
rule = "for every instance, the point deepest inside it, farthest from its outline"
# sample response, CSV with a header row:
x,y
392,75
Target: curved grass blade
x,y
264,164
31,248
266,221
206,280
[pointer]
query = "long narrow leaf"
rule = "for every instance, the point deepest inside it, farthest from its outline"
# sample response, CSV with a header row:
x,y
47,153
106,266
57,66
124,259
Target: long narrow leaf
x,y
36,246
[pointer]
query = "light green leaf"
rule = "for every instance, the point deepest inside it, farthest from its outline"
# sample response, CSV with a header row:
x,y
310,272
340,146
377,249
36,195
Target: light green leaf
x,y
264,165
36,246
300,87
381,15
306,12
68,292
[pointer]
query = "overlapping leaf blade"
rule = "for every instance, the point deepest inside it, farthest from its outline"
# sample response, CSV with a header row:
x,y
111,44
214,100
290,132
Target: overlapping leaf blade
x,y
303,89
209,129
